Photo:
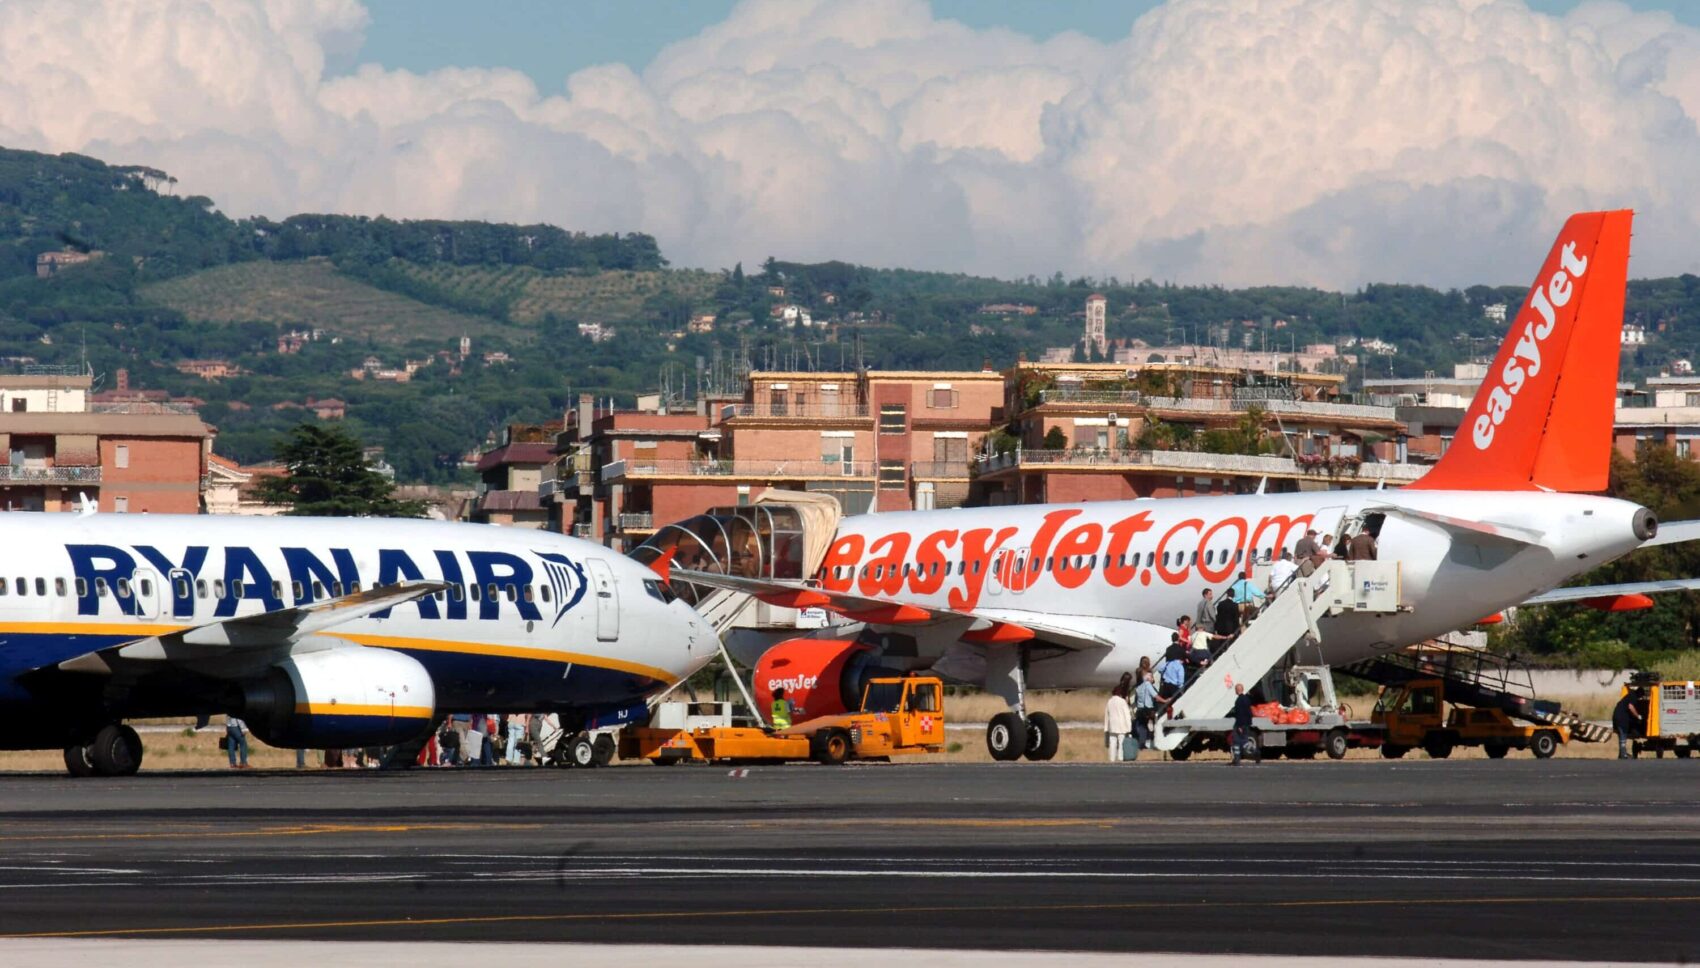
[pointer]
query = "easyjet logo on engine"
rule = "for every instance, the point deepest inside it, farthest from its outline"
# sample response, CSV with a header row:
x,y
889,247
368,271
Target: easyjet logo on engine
x,y
1525,361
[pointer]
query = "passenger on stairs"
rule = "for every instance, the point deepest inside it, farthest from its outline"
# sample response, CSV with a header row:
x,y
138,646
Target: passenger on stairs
x,y
1173,671
1227,620
1282,572
1144,708
1205,617
1361,547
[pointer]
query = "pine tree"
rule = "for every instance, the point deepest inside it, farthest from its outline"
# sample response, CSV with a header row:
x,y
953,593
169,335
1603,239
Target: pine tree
x,y
327,476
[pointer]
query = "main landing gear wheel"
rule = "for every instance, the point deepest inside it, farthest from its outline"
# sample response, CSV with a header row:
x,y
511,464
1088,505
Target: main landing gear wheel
x,y
1006,737
116,751
77,761
1043,736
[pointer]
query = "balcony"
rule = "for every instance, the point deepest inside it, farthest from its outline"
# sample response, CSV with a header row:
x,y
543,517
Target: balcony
x,y
20,475
584,531
1296,408
1080,396
939,470
794,411
754,470
146,407
1190,462
637,521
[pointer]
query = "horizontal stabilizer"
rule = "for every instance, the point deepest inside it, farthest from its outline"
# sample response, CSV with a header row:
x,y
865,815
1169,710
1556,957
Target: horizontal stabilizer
x,y
1674,532
1584,593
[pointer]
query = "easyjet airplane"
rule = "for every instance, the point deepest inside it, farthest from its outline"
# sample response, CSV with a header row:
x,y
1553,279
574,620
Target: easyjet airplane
x,y
1071,596
319,632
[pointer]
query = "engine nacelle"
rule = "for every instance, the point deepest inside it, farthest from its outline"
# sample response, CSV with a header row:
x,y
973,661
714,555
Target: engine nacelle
x,y
340,698
820,676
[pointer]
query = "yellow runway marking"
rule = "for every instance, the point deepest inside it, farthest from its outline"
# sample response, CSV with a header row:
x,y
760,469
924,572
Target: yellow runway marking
x,y
298,830
796,911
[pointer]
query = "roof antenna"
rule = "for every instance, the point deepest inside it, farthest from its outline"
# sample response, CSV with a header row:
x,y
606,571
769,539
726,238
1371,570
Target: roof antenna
x,y
85,507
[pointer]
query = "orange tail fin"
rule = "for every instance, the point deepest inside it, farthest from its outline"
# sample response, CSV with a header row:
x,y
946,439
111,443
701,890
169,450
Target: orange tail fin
x,y
1542,419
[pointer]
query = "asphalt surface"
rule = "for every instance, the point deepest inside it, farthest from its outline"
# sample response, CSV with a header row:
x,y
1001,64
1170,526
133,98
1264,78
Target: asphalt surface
x,y
1514,859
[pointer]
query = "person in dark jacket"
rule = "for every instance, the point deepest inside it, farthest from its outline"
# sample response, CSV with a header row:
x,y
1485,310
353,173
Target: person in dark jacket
x,y
1227,619
1628,721
1242,721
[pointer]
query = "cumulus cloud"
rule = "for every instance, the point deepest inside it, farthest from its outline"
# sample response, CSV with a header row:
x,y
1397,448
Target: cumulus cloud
x,y
1328,142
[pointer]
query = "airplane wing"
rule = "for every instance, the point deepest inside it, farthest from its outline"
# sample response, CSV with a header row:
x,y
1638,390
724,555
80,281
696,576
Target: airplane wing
x,y
983,626
1674,532
1604,593
1490,532
262,631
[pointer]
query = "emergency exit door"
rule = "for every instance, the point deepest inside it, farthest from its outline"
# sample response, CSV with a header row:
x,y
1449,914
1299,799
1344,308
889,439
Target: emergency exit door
x,y
607,600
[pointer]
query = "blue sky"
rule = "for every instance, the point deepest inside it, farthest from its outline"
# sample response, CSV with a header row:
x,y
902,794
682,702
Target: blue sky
x,y
549,39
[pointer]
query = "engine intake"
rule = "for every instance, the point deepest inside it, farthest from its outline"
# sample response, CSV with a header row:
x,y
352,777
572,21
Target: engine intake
x,y
340,698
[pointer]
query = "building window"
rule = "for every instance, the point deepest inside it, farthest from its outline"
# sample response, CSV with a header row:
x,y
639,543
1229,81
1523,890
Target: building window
x,y
19,405
1682,448
943,398
1693,400
121,505
121,456
891,475
894,419
950,450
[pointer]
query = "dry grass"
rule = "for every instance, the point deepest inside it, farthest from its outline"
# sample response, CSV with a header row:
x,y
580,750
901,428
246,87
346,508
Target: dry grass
x,y
531,294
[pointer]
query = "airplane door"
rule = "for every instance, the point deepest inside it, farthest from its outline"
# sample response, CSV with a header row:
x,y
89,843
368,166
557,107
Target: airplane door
x,y
607,600
144,588
1327,521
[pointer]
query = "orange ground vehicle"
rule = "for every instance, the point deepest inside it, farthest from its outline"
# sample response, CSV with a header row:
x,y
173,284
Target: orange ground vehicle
x,y
1417,716
898,717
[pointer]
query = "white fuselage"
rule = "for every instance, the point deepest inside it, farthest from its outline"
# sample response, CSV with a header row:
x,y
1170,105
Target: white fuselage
x,y
1124,571
530,619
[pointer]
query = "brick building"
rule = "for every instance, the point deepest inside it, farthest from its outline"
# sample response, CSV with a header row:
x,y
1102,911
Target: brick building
x,y
511,475
126,457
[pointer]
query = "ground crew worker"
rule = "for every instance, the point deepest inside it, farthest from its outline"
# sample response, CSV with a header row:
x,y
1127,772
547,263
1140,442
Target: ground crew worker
x,y
1627,720
1242,721
781,715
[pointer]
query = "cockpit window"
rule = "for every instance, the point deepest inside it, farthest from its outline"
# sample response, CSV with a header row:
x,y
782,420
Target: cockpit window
x,y
658,591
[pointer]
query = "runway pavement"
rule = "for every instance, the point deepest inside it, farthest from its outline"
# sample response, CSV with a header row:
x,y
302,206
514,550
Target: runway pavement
x,y
1512,859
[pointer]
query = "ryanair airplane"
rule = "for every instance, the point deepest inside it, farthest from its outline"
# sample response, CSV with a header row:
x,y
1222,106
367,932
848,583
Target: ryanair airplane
x,y
319,632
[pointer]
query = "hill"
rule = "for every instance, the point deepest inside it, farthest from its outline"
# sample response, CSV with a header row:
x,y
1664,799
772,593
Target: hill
x,y
527,295
312,293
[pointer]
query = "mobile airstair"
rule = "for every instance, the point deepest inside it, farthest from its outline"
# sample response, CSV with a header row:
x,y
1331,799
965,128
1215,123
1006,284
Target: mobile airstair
x,y
1476,678
1287,621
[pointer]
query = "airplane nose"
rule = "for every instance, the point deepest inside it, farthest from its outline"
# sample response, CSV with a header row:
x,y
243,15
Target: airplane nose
x,y
1646,524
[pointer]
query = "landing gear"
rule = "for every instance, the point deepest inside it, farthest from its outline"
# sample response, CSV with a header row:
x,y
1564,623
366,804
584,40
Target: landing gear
x,y
1043,736
77,761
1006,737
115,751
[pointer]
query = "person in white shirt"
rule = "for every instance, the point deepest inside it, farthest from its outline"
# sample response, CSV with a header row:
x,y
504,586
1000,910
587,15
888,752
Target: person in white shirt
x,y
1282,572
1118,719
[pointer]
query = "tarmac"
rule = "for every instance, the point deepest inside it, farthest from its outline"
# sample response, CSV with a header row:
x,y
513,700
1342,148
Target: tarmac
x,y
1514,859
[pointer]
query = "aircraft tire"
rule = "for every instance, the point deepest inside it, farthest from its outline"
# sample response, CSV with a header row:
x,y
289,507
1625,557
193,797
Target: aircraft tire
x,y
1543,744
77,761
1336,744
605,748
1043,737
116,751
1006,737
581,752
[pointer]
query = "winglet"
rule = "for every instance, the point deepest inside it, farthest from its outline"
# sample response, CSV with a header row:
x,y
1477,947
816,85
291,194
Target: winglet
x,y
663,565
1542,418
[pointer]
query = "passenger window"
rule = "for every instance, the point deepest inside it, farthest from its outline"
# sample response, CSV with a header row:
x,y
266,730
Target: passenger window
x,y
336,589
512,593
456,592
179,588
354,588
545,592
146,583
59,587
296,590
123,587
218,588
318,589
200,588
100,587
2,586
235,589
23,586
530,593
492,592
41,587
277,588
82,587
477,592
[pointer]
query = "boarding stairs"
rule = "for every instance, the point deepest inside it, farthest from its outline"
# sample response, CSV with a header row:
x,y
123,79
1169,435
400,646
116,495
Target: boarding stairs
x,y
1476,678
1287,620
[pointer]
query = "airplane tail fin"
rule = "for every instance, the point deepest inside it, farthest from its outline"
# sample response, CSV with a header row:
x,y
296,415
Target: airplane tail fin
x,y
1542,419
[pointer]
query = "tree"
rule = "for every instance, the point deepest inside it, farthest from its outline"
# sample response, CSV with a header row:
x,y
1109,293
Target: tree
x,y
327,476
1055,439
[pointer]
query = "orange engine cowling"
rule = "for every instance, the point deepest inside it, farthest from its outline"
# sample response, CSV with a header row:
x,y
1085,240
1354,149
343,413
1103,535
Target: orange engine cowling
x,y
820,676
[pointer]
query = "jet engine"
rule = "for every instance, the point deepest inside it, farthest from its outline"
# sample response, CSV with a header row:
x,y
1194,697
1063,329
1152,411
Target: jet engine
x,y
820,676
340,698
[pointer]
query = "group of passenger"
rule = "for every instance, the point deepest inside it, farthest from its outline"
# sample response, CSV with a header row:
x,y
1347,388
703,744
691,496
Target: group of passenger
x,y
1199,638
466,739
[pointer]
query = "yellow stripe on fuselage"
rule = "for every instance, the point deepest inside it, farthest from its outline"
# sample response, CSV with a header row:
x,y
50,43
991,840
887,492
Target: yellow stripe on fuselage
x,y
508,652
359,709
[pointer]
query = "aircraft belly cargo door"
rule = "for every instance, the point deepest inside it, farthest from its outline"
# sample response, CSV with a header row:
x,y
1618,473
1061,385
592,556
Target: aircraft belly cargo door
x,y
607,600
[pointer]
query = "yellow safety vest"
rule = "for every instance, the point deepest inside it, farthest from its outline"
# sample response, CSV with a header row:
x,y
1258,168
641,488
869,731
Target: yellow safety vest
x,y
781,717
